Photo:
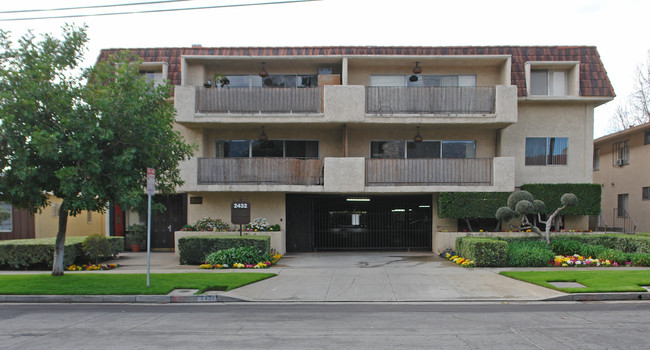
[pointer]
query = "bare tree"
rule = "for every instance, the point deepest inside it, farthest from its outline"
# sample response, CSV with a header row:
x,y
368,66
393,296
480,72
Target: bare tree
x,y
635,110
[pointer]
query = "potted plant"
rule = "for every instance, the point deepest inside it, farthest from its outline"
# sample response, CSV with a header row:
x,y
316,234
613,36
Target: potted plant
x,y
136,236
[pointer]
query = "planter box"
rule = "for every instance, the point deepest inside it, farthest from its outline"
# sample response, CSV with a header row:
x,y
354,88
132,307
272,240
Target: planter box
x,y
278,238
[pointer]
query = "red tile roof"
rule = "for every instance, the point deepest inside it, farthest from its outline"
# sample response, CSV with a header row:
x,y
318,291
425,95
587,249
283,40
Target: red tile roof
x,y
593,77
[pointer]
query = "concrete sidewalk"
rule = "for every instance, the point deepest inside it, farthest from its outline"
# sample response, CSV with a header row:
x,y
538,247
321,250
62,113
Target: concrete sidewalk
x,y
341,277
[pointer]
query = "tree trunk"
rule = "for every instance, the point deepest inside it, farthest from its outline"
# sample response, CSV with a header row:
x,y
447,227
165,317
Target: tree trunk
x,y
549,223
59,246
469,226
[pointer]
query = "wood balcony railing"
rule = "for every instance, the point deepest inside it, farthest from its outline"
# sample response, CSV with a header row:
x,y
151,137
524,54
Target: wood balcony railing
x,y
430,100
425,172
267,171
259,100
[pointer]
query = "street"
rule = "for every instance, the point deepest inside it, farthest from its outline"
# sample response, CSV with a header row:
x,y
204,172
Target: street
x,y
541,325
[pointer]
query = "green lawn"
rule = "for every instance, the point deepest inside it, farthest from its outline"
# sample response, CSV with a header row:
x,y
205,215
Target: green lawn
x,y
123,284
595,281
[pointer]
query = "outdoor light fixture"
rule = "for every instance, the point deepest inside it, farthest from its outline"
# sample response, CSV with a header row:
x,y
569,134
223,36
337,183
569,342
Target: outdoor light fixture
x,y
358,199
263,73
417,69
262,136
417,137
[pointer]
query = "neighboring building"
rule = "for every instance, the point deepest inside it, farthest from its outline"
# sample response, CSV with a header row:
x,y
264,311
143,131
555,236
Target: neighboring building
x,y
19,224
23,225
348,147
622,168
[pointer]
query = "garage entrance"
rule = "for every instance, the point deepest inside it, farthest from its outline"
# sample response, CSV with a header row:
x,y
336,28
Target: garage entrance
x,y
334,222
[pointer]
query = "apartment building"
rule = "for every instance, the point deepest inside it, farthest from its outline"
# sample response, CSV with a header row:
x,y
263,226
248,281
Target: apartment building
x,y
622,168
349,147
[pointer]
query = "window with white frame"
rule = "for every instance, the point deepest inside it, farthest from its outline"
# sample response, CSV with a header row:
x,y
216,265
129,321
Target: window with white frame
x,y
6,217
548,82
546,150
424,149
621,153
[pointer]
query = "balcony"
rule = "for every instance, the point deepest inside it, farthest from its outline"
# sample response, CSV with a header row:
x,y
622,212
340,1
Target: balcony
x,y
259,171
429,172
430,100
258,100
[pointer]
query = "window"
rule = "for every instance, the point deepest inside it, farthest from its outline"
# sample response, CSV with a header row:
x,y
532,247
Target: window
x,y
546,150
548,82
596,159
423,80
621,153
424,149
89,216
645,195
6,218
271,148
646,138
622,205
276,81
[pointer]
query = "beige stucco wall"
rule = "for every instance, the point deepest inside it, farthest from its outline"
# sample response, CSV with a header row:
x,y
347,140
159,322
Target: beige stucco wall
x,y
552,119
46,223
628,179
269,205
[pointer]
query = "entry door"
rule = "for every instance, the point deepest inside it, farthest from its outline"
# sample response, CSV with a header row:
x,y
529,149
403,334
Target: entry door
x,y
163,225
300,230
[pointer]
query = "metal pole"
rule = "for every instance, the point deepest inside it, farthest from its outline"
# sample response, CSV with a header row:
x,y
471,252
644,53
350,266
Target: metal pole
x,y
148,239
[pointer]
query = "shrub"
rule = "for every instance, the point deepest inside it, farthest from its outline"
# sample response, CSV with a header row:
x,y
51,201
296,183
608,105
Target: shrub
x,y
613,255
244,255
95,247
137,234
640,259
529,254
563,246
484,251
589,250
210,224
470,205
193,250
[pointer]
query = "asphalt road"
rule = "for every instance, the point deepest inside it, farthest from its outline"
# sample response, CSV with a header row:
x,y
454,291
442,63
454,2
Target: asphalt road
x,y
543,325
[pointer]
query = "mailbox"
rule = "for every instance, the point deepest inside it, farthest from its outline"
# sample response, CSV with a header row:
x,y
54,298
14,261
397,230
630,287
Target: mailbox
x,y
240,213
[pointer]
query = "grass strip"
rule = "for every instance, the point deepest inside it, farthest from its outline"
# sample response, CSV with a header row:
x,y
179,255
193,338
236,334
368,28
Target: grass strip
x,y
123,284
595,281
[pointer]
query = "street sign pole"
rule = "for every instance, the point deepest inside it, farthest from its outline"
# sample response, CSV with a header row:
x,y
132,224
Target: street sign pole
x,y
151,188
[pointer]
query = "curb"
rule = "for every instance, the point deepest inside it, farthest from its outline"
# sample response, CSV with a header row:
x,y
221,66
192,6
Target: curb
x,y
213,298
601,296
116,299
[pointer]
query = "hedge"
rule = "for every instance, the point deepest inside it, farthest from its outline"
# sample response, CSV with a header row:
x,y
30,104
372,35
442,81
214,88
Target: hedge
x,y
39,253
470,205
193,250
589,196
484,251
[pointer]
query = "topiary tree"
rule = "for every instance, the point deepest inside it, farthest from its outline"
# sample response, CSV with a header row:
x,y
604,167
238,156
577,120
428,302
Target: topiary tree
x,y
522,204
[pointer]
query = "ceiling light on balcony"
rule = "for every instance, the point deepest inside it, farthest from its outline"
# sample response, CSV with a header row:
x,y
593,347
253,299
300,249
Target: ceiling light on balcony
x,y
417,69
417,137
263,73
263,136
358,199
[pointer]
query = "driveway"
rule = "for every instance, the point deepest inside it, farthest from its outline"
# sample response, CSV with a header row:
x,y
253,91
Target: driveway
x,y
384,277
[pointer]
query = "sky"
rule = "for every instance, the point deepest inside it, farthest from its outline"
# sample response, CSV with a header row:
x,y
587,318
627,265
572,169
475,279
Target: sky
x,y
618,28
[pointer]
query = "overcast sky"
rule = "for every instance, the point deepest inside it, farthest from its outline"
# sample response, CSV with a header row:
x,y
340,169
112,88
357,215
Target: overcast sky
x,y
618,28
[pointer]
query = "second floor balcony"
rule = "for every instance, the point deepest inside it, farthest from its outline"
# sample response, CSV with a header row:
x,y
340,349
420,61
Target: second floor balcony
x,y
495,105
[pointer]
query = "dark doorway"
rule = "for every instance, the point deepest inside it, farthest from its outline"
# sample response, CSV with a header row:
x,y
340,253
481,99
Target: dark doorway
x,y
332,222
172,219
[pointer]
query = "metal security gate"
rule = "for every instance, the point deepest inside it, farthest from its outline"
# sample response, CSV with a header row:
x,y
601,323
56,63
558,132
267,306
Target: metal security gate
x,y
359,222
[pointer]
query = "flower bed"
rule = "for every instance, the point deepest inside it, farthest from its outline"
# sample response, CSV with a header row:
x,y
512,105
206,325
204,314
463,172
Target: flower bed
x,y
261,265
92,267
577,260
464,262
